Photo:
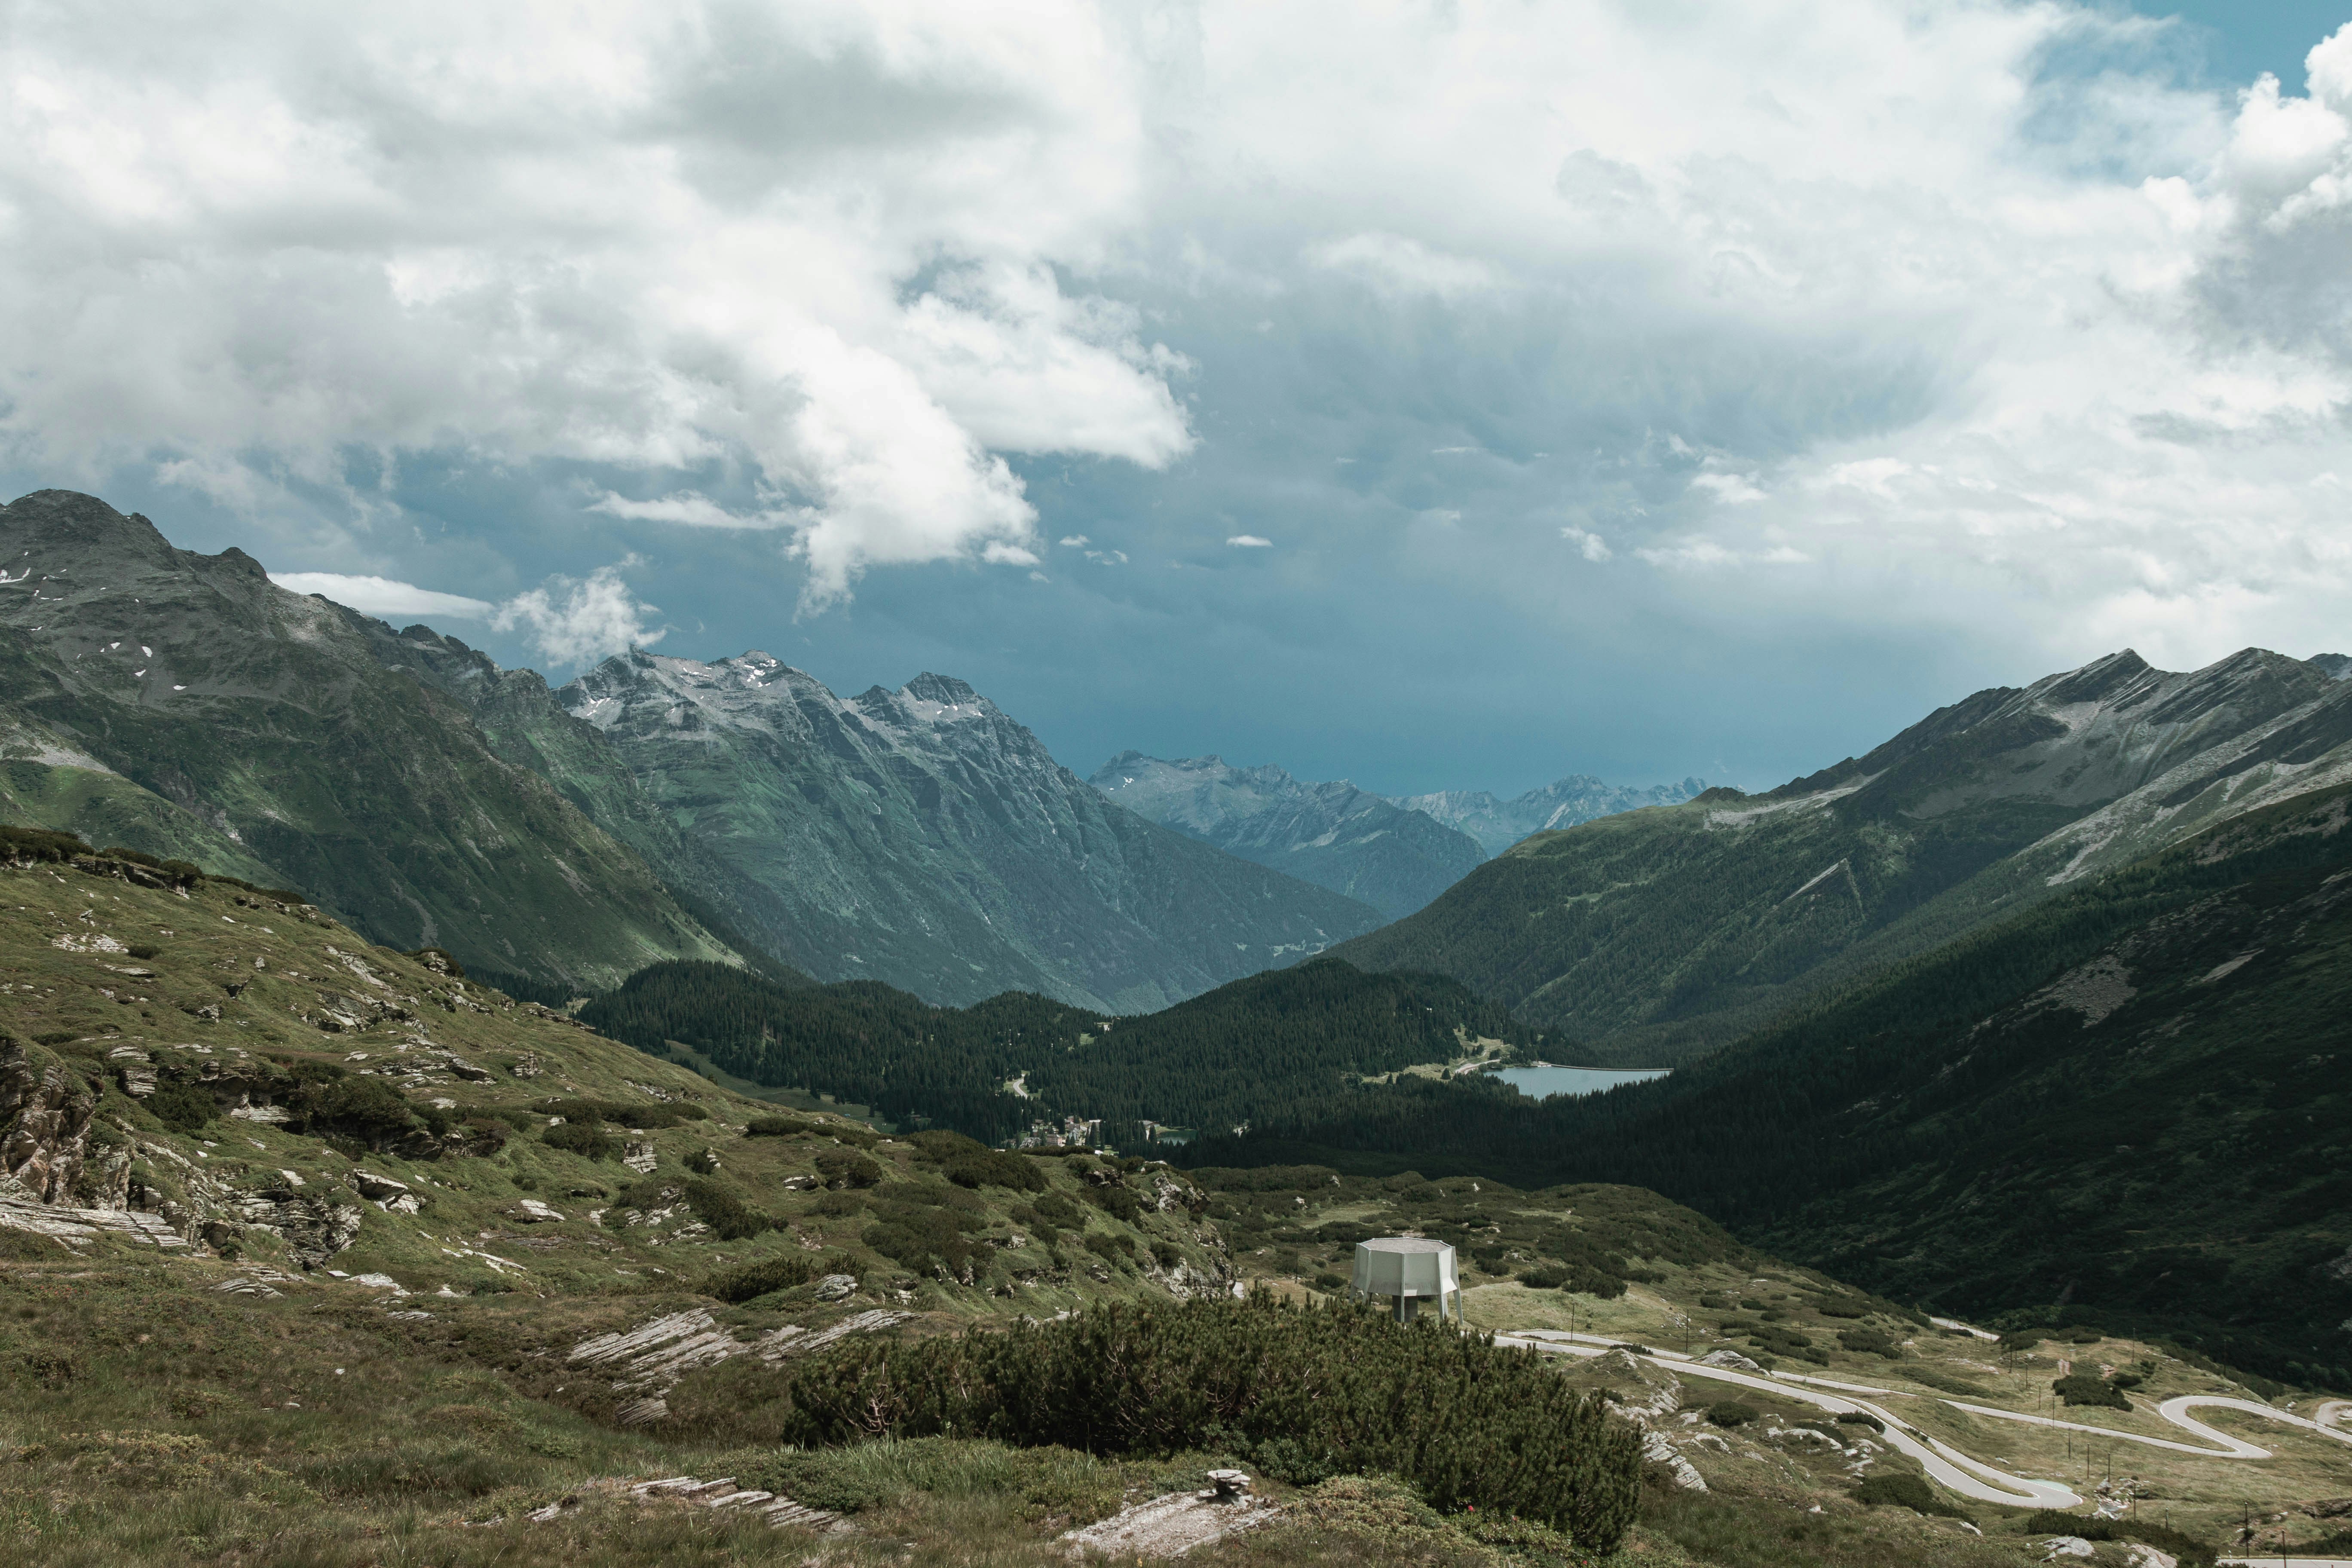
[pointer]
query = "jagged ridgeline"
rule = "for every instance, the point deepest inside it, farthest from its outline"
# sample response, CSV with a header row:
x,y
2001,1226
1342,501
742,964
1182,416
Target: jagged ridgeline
x,y
2129,1098
1219,1060
184,705
1654,936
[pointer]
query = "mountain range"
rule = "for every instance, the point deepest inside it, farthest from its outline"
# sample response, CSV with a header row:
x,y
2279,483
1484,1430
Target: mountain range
x,y
183,705
1333,834
1499,824
923,837
657,808
1396,852
1653,937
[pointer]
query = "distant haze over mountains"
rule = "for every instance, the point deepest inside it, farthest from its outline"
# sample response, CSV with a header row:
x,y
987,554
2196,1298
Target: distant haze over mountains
x,y
1654,937
656,808
1333,834
1497,825
1396,852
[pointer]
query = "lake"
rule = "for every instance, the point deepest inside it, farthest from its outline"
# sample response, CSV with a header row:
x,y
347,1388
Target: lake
x,y
1543,1082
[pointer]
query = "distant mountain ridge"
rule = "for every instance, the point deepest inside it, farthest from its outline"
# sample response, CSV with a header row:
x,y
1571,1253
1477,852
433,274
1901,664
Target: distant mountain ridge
x,y
1333,834
925,838
1655,936
1499,824
183,704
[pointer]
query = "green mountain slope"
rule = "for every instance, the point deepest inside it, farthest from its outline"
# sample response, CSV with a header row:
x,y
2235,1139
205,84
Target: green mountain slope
x,y
2128,1101
312,1251
264,720
996,1068
924,838
1657,935
1332,835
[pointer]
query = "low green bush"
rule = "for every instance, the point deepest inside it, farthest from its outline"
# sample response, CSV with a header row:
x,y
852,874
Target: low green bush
x,y
585,1139
726,1215
1351,1391
1731,1412
846,1168
1901,1489
182,1107
1870,1342
2183,1547
802,1127
2084,1388
1860,1419
782,1272
40,844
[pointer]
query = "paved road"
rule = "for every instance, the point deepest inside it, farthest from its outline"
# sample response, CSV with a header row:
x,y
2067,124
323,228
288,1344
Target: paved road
x,y
1969,1476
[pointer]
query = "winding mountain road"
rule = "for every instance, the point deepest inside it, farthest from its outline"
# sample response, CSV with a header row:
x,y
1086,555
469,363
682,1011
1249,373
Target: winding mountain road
x,y
1958,1471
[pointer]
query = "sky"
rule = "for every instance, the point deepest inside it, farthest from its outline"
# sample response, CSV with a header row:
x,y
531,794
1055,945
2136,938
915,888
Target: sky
x,y
1439,395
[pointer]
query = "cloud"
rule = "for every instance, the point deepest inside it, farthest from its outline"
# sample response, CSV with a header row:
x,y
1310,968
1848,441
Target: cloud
x,y
1398,267
574,621
1250,542
845,251
1074,542
1970,307
1732,489
1592,546
689,509
382,597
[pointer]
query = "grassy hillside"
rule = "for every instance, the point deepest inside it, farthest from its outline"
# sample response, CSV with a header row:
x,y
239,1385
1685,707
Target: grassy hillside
x,y
2122,1106
396,1210
1247,1050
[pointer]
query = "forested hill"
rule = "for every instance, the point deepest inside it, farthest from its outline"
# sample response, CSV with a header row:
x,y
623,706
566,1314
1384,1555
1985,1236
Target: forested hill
x,y
991,1069
2129,1101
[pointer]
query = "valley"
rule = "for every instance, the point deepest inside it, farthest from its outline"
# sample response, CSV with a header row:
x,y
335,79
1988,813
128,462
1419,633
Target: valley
x,y
688,1075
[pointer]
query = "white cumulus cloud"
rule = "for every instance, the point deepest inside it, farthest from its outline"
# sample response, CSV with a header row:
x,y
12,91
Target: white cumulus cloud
x,y
385,597
843,247
574,621
1250,542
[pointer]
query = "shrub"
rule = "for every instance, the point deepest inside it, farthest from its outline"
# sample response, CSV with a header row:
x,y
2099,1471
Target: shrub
x,y
1057,1210
585,1139
352,1106
1731,1412
1327,1282
2083,1388
1870,1342
728,1215
1544,1279
846,1168
182,1107
1119,1203
702,1162
1860,1419
925,1236
2186,1548
144,951
1901,1489
40,844
1349,1392
802,1127
782,1272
